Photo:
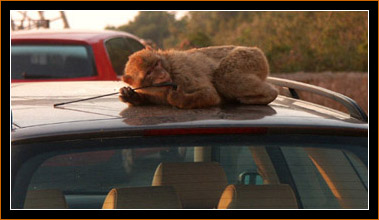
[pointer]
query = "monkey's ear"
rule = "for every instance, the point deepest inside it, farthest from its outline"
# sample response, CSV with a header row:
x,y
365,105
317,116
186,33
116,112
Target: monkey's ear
x,y
128,79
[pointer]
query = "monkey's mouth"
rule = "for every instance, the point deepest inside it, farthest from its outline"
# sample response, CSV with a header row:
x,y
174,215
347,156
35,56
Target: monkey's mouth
x,y
162,82
165,83
164,86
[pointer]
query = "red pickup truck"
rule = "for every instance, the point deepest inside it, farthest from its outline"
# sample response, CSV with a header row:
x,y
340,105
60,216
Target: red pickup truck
x,y
67,55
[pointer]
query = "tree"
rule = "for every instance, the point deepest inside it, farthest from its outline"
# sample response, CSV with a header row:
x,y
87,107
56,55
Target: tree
x,y
292,41
153,26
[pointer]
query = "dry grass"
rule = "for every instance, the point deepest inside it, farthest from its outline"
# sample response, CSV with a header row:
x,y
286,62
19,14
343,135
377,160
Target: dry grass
x,y
351,84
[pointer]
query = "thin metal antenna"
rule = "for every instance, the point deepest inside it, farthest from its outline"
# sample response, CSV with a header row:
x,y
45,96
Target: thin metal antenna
x,y
80,100
174,86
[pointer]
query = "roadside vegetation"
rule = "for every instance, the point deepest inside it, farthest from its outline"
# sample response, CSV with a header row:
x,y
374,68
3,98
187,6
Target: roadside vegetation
x,y
325,48
293,41
350,84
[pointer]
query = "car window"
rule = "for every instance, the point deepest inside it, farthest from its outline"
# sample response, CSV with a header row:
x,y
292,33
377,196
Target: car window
x,y
100,171
135,45
119,49
335,180
51,61
219,176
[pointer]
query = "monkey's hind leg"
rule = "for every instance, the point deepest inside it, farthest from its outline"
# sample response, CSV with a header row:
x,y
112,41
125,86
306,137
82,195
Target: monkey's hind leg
x,y
262,94
248,89
241,76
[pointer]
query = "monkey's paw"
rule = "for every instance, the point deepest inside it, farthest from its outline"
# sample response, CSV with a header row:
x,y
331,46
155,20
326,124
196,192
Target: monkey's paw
x,y
176,94
177,98
128,95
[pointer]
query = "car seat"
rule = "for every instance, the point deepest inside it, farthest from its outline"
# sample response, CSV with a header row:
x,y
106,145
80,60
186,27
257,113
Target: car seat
x,y
198,184
155,197
45,199
276,196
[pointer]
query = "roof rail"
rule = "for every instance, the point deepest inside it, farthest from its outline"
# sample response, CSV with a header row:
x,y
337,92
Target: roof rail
x,y
354,109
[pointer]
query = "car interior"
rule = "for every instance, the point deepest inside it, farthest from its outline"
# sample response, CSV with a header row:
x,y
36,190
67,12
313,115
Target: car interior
x,y
241,178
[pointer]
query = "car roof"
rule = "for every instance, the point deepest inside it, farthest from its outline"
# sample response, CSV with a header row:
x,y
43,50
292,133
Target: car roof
x,y
88,36
33,113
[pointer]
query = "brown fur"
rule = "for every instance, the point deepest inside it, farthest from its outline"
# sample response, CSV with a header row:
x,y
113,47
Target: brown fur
x,y
205,77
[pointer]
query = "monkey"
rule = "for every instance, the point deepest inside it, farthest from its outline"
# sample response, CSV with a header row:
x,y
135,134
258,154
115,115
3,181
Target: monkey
x,y
204,77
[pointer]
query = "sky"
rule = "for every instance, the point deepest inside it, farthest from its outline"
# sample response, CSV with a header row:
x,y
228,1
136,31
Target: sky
x,y
86,19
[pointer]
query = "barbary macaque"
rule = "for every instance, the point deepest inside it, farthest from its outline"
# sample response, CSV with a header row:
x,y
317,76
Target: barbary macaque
x,y
204,77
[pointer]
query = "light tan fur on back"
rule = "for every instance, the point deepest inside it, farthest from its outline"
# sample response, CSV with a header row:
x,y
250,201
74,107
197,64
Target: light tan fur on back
x,y
205,77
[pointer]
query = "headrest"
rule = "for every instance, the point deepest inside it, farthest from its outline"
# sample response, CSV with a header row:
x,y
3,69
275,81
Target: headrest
x,y
198,184
45,199
157,197
278,196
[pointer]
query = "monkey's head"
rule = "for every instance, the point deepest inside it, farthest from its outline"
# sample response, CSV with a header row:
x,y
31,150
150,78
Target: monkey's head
x,y
145,68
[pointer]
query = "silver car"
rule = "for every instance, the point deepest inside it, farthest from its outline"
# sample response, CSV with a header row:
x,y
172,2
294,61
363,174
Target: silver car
x,y
104,154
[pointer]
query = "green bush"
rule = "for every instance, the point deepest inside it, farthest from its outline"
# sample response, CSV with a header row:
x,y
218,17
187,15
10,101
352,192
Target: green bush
x,y
293,41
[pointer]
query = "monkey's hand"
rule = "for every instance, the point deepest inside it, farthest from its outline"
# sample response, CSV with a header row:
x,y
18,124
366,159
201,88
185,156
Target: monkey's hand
x,y
128,95
175,95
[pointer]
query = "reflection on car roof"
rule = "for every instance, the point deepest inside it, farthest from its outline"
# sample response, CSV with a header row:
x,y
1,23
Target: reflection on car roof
x,y
33,112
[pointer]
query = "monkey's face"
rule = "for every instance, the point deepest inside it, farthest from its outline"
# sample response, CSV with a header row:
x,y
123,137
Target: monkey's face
x,y
145,68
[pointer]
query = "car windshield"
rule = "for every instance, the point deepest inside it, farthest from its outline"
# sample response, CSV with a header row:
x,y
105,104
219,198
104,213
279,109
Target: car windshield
x,y
119,49
206,175
51,61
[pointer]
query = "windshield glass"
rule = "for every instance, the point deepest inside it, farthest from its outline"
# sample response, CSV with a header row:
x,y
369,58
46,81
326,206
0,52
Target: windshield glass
x,y
202,177
119,49
51,61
